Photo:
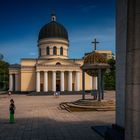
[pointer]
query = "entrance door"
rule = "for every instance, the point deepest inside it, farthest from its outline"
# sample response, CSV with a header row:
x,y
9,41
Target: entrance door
x,y
57,85
14,82
41,87
72,86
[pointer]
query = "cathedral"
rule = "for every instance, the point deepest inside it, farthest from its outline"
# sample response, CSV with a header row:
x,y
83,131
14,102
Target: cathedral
x,y
53,70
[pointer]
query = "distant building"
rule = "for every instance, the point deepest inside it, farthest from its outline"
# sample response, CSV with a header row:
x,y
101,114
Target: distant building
x,y
107,53
52,70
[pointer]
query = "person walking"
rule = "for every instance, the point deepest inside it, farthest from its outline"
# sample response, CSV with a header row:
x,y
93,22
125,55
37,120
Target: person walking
x,y
12,111
9,93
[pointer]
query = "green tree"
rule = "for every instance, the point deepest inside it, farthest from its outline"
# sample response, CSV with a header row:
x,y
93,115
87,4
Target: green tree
x,y
4,78
109,77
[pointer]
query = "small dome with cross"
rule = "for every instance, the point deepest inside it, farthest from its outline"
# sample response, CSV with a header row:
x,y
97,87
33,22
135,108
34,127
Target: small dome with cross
x,y
94,61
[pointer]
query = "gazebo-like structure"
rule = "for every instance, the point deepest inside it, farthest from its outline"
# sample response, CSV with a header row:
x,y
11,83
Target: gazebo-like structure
x,y
95,65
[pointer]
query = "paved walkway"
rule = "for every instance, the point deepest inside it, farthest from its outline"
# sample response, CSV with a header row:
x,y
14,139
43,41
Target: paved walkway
x,y
39,118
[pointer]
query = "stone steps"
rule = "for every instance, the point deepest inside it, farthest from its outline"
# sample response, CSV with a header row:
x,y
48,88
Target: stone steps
x,y
71,106
64,106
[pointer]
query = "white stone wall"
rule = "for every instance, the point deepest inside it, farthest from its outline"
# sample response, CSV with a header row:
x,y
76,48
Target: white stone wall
x,y
128,67
132,105
121,36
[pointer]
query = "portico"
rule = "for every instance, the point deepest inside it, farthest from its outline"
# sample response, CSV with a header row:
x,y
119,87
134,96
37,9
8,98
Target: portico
x,y
69,80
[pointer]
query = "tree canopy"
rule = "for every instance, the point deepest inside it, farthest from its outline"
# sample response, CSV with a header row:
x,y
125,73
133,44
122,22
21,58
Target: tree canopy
x,y
110,75
4,78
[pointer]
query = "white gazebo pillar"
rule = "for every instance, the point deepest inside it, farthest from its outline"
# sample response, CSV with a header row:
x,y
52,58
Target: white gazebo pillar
x,y
62,80
16,82
54,81
38,81
70,81
10,82
77,87
45,81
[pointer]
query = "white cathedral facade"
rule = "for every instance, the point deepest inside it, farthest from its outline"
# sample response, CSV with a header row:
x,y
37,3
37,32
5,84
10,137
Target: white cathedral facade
x,y
52,70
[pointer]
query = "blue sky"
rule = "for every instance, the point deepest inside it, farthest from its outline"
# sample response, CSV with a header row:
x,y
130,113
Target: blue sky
x,y
21,20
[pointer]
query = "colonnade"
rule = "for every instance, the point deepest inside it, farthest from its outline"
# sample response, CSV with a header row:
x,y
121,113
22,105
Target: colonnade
x,y
14,81
62,81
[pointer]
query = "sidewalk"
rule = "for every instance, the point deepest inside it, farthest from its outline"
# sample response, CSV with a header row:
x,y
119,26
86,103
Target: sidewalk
x,y
39,118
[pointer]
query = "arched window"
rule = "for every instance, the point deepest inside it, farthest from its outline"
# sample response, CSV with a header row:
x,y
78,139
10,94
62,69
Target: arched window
x,y
61,51
58,63
48,50
54,50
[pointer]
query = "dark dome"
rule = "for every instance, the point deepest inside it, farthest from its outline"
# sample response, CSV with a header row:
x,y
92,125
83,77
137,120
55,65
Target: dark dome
x,y
53,30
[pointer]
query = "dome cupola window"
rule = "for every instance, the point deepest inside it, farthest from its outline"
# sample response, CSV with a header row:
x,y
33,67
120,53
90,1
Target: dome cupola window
x,y
61,51
54,50
48,50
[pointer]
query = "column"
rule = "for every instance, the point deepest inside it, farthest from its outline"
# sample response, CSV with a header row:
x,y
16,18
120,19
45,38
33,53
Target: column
x,y
16,82
38,81
54,81
121,45
132,80
62,80
83,84
45,81
77,81
10,82
70,81
94,86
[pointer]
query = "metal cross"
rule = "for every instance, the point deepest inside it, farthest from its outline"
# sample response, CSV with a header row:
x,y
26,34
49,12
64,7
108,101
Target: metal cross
x,y
95,42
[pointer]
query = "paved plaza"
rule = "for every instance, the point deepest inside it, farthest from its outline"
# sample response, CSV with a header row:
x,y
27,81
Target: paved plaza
x,y
40,118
